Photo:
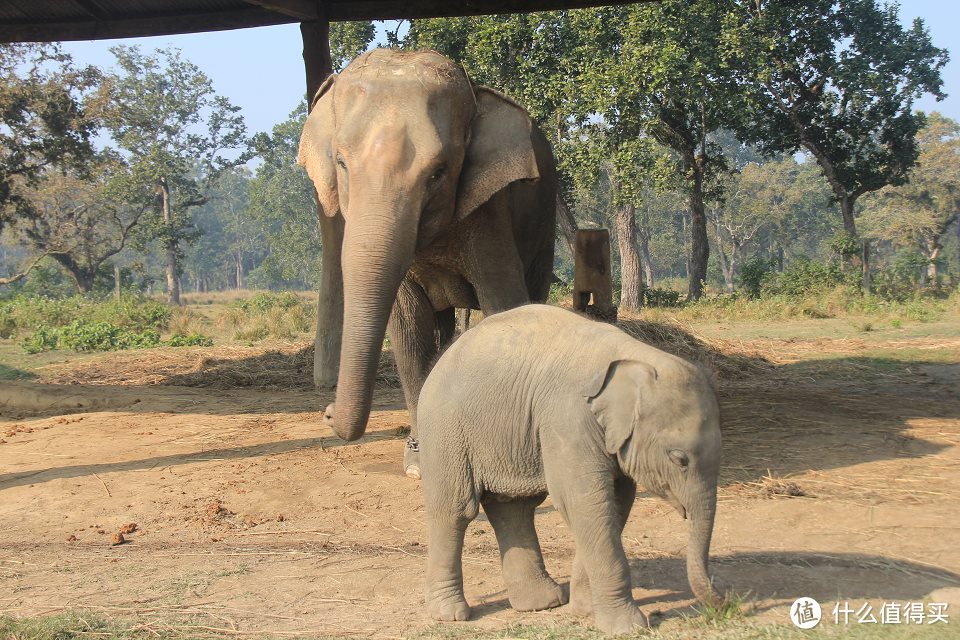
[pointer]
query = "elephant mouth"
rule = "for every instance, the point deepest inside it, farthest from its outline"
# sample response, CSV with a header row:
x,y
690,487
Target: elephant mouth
x,y
674,502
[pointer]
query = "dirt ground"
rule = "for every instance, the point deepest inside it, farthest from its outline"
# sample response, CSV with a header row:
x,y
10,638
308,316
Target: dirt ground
x,y
242,513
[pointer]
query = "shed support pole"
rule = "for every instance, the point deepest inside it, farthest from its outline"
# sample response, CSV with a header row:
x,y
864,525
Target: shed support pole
x,y
326,357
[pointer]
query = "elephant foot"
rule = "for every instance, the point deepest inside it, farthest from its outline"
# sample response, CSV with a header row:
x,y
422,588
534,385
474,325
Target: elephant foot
x,y
621,621
411,458
329,415
580,603
448,610
536,594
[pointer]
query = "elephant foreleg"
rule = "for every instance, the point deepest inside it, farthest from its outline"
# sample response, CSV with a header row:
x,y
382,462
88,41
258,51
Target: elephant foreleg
x,y
326,357
493,264
529,586
586,499
581,603
413,335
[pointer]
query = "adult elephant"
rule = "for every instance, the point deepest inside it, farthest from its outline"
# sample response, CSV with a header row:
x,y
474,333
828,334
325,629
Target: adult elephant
x,y
447,195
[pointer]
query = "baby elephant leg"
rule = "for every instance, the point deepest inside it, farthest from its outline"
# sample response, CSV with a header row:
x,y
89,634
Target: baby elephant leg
x,y
450,506
590,508
581,600
529,586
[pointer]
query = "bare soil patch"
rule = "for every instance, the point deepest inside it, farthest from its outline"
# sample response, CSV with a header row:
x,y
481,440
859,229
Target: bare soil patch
x,y
240,512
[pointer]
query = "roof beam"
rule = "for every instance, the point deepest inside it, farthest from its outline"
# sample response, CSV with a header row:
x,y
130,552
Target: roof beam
x,y
302,10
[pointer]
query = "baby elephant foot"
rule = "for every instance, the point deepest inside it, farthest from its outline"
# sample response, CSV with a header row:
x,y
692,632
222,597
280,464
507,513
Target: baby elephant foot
x,y
621,621
411,458
448,609
536,594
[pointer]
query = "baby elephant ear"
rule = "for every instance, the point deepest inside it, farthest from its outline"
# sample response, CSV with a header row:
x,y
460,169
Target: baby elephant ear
x,y
614,396
316,149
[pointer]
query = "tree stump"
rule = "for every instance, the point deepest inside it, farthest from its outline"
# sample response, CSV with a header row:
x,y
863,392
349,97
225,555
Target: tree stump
x,y
592,285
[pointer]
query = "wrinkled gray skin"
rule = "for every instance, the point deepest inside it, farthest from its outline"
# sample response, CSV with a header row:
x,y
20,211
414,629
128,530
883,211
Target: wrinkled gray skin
x,y
537,400
447,192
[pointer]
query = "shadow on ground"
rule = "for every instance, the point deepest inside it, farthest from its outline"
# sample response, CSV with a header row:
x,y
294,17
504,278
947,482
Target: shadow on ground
x,y
759,577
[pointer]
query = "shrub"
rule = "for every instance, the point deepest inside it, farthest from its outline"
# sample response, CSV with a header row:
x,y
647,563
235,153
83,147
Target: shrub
x,y
189,340
282,315
81,335
653,297
560,293
134,313
804,277
752,274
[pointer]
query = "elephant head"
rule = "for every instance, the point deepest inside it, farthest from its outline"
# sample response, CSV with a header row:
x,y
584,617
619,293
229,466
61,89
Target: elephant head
x,y
662,424
403,146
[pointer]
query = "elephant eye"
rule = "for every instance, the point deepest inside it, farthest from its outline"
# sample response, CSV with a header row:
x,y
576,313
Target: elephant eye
x,y
341,163
438,173
679,458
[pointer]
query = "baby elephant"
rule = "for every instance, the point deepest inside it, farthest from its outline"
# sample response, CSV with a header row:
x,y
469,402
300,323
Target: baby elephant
x,y
540,400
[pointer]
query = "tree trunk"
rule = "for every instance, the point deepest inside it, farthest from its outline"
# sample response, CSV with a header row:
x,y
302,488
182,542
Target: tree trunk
x,y
568,224
239,269
725,266
116,282
631,290
699,246
645,257
865,261
934,253
173,268
685,226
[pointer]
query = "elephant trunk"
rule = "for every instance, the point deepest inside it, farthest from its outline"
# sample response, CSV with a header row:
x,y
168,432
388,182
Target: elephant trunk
x,y
700,516
375,259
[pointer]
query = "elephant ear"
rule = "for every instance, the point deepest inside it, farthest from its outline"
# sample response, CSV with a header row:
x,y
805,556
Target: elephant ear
x,y
316,149
615,395
500,150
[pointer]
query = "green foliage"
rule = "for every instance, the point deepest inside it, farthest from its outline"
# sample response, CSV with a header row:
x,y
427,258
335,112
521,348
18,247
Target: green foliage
x,y
653,297
838,79
132,313
560,293
82,335
282,210
189,340
753,273
45,109
844,245
804,277
348,40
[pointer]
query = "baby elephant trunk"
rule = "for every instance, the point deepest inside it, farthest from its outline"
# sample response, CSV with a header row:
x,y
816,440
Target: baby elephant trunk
x,y
700,518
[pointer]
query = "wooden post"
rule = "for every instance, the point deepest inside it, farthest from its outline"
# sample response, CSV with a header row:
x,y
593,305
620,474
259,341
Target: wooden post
x,y
326,357
592,285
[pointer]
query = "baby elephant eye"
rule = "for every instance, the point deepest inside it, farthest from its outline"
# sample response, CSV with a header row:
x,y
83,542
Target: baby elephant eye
x,y
679,458
438,173
340,162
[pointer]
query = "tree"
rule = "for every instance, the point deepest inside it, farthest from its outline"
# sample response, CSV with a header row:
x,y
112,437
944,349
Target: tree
x,y
282,208
348,40
179,136
839,80
82,221
921,211
660,75
43,120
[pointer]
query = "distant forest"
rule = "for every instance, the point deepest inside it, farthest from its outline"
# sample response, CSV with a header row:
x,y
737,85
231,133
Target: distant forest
x,y
720,143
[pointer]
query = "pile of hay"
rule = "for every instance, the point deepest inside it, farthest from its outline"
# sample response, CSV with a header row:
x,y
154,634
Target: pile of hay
x,y
729,361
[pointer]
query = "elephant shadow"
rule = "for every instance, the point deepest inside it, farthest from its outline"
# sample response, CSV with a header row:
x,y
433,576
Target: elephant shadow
x,y
765,580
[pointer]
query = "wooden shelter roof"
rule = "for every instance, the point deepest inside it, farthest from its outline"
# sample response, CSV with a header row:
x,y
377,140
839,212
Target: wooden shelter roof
x,y
51,20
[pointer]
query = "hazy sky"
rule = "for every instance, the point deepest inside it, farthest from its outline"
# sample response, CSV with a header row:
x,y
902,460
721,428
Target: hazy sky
x,y
261,70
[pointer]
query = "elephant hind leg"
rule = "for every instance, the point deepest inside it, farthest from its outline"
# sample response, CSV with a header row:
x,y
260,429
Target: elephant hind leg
x,y
450,502
529,586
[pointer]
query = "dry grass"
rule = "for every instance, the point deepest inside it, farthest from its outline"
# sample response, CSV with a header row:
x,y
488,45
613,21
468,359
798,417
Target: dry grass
x,y
728,359
282,366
